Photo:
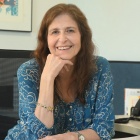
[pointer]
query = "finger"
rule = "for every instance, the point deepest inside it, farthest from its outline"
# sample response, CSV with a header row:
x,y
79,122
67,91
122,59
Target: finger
x,y
66,68
67,62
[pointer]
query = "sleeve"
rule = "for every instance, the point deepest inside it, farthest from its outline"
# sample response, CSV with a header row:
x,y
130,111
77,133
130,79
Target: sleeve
x,y
103,121
29,127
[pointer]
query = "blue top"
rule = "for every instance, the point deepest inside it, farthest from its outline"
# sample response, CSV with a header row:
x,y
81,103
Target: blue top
x,y
96,114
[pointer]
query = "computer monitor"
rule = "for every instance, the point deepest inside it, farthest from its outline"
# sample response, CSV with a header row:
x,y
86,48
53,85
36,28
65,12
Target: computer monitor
x,y
10,60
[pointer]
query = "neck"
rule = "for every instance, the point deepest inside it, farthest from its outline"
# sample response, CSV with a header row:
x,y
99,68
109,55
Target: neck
x,y
66,86
66,73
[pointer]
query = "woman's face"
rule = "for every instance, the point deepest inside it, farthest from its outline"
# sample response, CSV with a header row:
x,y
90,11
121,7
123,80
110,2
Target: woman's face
x,y
64,38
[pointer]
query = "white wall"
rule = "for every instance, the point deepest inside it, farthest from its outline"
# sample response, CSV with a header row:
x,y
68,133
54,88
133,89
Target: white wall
x,y
115,25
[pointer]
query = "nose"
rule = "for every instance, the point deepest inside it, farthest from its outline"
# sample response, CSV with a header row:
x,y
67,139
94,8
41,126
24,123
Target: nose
x,y
62,37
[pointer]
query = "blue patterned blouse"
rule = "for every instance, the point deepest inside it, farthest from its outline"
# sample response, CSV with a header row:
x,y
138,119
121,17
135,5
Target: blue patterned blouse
x,y
96,114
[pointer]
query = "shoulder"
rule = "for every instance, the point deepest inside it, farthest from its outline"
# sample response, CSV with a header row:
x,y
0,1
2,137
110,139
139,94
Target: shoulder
x,y
101,61
102,64
29,68
30,64
103,76
103,67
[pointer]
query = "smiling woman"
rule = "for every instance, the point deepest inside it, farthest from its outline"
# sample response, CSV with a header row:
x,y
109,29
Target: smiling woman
x,y
65,91
64,37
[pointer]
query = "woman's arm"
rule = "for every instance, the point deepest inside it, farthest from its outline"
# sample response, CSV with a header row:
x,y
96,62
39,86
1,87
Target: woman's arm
x,y
29,127
52,68
88,134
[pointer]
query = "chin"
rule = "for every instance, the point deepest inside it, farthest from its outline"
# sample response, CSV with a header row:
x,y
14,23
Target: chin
x,y
65,57
70,59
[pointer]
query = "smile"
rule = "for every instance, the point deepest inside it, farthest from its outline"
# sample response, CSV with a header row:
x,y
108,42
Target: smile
x,y
64,48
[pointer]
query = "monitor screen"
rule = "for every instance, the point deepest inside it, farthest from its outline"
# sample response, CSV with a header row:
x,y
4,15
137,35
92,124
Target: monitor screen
x,y
10,60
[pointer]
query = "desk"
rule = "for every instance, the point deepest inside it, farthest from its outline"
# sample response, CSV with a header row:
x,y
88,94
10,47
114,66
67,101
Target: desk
x,y
129,138
133,127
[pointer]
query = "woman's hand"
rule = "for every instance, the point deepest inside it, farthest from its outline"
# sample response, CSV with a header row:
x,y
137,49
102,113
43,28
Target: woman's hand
x,y
65,136
54,65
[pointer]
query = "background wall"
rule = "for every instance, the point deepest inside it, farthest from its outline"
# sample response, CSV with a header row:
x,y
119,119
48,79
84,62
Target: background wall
x,y
115,25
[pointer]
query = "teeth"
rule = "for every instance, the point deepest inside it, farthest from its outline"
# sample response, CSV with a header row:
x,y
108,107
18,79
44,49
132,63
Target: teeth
x,y
63,48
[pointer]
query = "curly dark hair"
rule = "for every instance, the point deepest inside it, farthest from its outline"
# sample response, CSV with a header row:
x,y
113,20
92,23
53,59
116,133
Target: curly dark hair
x,y
85,60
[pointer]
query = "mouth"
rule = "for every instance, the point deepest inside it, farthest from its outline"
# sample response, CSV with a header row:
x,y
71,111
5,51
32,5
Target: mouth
x,y
64,48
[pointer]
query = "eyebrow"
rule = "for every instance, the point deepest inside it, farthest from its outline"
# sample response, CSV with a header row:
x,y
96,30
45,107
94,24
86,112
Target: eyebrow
x,y
59,29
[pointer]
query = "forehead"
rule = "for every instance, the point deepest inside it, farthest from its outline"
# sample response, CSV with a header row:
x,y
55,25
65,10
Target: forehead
x,y
63,20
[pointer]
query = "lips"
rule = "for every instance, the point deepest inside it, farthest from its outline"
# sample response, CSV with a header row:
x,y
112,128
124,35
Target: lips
x,y
64,48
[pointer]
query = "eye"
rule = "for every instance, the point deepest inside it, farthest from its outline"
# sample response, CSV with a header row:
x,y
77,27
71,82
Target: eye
x,y
55,32
70,31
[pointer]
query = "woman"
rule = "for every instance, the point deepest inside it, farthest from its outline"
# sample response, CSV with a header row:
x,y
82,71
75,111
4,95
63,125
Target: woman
x,y
66,92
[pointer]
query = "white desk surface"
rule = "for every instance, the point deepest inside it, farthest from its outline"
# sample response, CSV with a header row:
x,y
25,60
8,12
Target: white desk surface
x,y
129,138
133,127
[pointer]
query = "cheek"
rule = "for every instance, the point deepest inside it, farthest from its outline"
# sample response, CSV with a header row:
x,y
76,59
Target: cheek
x,y
78,43
75,40
78,39
51,42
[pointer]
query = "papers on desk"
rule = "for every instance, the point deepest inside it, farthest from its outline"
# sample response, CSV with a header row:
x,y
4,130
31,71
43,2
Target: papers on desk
x,y
131,96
